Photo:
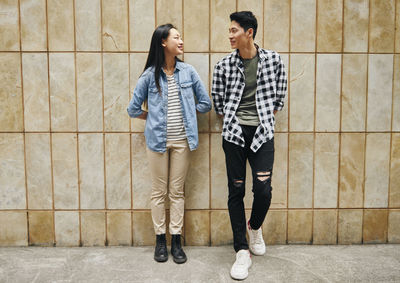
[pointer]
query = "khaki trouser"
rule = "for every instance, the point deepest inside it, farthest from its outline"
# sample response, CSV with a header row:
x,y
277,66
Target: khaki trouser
x,y
169,169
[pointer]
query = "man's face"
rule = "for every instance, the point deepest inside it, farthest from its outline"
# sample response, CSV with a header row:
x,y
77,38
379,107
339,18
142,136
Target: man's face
x,y
237,36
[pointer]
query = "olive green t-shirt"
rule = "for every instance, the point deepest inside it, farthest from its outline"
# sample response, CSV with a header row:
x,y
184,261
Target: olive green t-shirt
x,y
247,110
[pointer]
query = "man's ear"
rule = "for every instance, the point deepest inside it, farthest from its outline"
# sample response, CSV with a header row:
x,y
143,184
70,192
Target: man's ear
x,y
250,32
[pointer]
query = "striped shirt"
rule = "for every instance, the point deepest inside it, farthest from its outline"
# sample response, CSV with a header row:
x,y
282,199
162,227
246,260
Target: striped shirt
x,y
175,126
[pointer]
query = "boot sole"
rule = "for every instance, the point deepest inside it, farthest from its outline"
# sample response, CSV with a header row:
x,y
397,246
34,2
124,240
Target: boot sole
x,y
180,261
161,259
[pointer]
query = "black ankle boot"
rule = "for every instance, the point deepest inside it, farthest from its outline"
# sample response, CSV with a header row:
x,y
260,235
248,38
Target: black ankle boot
x,y
161,253
176,249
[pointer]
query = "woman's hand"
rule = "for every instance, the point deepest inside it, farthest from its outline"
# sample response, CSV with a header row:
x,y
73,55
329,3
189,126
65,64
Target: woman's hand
x,y
143,116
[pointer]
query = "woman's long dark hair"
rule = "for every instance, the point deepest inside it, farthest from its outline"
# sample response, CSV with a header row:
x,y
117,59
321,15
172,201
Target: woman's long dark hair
x,y
156,56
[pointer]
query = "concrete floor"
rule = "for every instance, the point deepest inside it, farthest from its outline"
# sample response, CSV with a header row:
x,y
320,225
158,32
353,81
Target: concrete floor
x,y
289,263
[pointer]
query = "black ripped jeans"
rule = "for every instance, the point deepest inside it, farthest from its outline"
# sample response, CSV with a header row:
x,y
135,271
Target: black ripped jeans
x,y
261,163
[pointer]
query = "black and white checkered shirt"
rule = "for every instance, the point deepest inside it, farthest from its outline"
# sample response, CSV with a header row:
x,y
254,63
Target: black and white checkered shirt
x,y
227,89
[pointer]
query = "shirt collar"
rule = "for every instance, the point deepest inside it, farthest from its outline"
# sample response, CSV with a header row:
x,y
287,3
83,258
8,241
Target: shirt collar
x,y
238,61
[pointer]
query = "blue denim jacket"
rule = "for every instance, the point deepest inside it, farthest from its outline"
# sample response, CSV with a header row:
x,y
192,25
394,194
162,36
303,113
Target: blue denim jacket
x,y
188,83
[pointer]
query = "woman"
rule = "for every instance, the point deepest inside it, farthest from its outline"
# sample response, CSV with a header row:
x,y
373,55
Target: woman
x,y
167,86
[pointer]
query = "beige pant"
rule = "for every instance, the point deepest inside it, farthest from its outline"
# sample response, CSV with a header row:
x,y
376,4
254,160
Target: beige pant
x,y
169,169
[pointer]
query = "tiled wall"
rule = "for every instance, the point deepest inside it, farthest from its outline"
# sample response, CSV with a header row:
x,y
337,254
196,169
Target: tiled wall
x,y
73,168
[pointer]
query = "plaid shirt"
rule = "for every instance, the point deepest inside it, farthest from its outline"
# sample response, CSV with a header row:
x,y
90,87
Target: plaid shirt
x,y
227,89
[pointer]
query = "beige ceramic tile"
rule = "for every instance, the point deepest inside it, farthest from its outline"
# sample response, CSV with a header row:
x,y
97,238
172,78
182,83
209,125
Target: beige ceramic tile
x,y
200,62
115,25
33,25
219,181
354,93
302,74
219,24
119,228
215,122
396,92
91,171
300,170
141,177
280,171
394,197
326,170
62,92
116,92
141,24
12,172
350,226
256,7
196,20
351,183
67,228
11,115
303,24
197,184
221,231
380,78
36,92
169,11
381,35
282,117
197,228
300,227
276,25
93,228
88,25
38,171
394,227
328,92
325,227
377,167
65,171
60,15
355,25
118,182
89,92
9,30
137,63
274,227
375,226
329,29
41,232
142,229
13,230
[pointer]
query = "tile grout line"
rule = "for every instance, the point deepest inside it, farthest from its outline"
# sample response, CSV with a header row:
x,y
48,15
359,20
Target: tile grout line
x,y
130,123
340,125
289,69
315,118
366,122
23,120
209,125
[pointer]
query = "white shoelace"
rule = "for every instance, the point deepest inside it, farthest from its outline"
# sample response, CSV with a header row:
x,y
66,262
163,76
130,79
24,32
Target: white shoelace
x,y
242,259
257,234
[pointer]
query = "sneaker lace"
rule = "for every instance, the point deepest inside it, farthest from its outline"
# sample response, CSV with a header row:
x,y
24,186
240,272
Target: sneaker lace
x,y
257,236
241,259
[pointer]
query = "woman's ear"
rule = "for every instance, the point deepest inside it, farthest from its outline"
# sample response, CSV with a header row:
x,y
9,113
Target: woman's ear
x,y
163,43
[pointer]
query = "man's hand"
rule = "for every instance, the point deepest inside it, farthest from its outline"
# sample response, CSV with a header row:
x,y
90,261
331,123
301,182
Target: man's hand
x,y
143,116
275,111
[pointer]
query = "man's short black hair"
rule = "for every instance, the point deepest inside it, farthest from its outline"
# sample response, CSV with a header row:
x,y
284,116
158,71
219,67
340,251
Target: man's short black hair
x,y
246,20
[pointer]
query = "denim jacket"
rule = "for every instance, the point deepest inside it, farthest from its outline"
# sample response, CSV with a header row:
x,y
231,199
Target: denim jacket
x,y
189,84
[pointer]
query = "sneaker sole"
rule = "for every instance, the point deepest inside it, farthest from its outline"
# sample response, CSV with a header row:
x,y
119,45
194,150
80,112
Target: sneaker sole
x,y
180,261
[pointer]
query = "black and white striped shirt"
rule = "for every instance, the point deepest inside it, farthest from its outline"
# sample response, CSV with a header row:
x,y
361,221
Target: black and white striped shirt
x,y
175,126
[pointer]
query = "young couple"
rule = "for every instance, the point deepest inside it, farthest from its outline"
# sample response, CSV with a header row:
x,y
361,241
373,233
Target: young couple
x,y
248,87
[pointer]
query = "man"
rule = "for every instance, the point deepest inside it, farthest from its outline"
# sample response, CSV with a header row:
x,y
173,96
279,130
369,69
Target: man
x,y
248,88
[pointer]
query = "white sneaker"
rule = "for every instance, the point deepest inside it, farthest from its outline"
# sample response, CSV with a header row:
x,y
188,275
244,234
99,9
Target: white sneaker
x,y
256,245
240,269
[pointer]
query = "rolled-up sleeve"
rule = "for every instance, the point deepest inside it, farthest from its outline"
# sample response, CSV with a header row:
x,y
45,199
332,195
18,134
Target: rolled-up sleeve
x,y
139,96
281,85
204,102
218,89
